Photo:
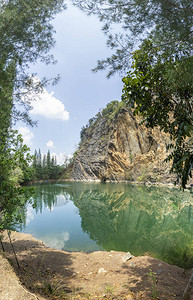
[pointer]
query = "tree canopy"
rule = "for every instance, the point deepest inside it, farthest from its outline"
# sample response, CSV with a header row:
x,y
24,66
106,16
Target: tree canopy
x,y
128,23
14,159
161,88
26,36
45,167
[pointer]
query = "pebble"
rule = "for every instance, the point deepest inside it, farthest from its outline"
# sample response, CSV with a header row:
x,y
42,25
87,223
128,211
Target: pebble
x,y
132,265
102,271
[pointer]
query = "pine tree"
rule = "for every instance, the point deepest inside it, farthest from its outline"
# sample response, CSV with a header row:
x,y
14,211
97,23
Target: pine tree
x,y
39,165
48,164
44,167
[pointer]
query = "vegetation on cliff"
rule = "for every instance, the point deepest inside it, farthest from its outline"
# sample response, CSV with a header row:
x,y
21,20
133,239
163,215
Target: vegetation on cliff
x,y
109,113
116,146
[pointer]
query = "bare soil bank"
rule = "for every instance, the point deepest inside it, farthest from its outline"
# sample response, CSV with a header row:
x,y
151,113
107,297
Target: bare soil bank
x,y
46,273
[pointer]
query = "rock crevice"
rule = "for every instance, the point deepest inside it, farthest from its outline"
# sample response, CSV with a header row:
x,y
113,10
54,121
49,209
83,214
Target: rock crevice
x,y
122,149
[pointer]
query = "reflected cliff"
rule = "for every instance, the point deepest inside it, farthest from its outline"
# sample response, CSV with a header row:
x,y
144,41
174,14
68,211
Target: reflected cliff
x,y
123,217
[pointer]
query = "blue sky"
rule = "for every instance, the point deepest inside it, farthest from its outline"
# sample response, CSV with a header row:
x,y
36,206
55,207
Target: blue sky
x,y
80,93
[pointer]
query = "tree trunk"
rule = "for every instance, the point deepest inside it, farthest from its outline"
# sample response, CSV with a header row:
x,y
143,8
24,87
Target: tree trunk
x,y
8,232
2,246
188,288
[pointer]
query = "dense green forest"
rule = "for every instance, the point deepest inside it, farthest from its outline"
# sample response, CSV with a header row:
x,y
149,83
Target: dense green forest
x,y
45,167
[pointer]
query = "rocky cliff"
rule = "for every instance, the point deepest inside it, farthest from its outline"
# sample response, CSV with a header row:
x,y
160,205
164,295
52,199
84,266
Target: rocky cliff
x,y
114,146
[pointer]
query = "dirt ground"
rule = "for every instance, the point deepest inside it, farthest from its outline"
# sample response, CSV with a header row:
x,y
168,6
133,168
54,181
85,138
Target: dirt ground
x,y
46,273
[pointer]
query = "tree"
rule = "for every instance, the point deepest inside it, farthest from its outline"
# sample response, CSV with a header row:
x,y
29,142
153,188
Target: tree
x,y
26,36
13,197
160,88
169,22
46,168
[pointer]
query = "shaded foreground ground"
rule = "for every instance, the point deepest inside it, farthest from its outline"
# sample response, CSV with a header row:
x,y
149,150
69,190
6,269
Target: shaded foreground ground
x,y
46,273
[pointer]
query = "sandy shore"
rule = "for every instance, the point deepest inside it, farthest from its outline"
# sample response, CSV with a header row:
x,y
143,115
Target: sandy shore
x,y
46,273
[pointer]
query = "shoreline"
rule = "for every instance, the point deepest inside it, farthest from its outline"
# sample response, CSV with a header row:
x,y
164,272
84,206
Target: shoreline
x,y
96,275
155,184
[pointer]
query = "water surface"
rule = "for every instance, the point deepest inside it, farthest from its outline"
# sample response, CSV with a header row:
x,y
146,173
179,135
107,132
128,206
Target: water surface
x,y
94,216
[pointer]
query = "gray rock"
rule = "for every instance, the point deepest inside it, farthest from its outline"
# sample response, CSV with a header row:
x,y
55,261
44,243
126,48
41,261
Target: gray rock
x,y
132,265
121,149
126,257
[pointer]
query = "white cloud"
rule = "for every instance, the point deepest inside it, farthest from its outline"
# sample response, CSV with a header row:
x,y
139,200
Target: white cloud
x,y
69,156
27,135
45,104
61,157
30,215
56,241
50,144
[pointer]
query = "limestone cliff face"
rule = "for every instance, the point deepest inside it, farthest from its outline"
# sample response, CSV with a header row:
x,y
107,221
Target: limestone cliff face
x,y
122,149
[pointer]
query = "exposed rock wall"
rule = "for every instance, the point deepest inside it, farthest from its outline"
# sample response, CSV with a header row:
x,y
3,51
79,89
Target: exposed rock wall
x,y
122,150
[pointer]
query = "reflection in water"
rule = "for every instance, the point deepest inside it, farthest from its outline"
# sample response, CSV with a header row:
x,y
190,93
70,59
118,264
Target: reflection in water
x,y
57,241
49,195
29,215
121,217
